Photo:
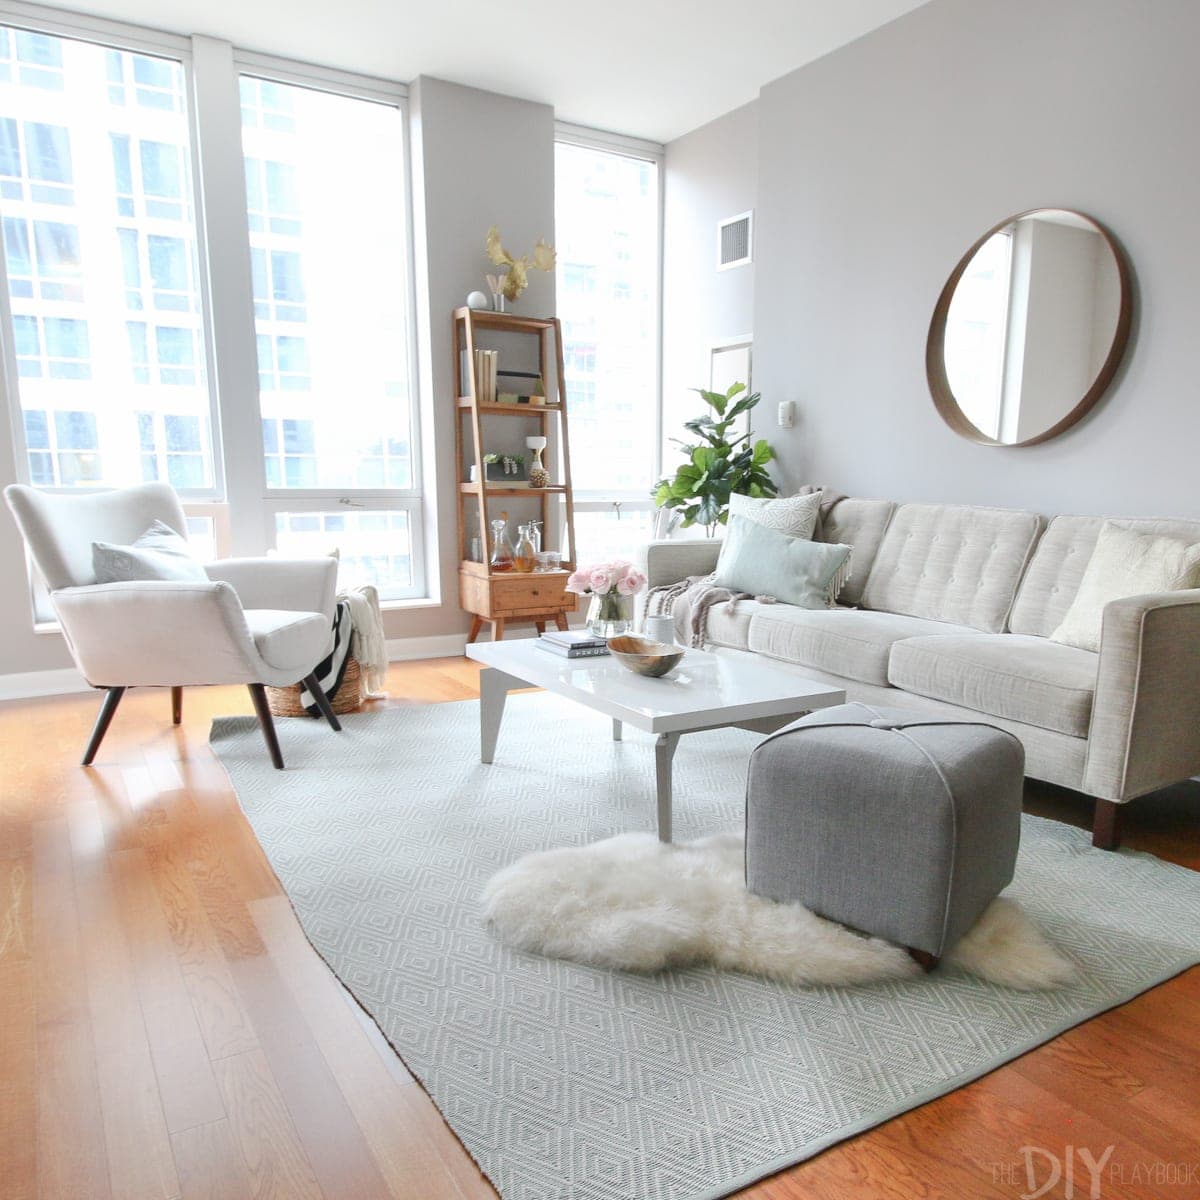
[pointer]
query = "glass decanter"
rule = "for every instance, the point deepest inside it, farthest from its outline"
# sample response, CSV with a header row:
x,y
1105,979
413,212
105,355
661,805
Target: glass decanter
x,y
526,554
502,555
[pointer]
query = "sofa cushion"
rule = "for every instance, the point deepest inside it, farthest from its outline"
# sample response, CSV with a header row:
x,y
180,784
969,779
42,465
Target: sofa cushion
x,y
849,642
289,640
861,525
952,563
1019,678
1062,555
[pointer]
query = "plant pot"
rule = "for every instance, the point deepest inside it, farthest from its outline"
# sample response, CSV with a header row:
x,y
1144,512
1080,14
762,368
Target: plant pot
x,y
496,474
610,615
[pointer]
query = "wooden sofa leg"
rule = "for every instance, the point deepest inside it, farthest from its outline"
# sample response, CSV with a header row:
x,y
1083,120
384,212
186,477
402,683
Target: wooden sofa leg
x,y
1106,825
258,693
177,706
108,707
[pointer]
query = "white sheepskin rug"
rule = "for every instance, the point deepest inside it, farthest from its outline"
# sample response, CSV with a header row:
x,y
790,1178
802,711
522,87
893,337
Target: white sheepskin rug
x,y
635,904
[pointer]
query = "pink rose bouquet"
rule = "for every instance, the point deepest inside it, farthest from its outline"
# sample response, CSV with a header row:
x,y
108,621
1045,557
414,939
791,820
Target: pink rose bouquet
x,y
605,579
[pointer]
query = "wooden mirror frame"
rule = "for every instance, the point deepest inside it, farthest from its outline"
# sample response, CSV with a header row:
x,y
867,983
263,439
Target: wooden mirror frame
x,y
935,346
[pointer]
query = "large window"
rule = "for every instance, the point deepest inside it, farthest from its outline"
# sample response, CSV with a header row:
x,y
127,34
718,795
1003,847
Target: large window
x,y
108,344
607,216
101,250
324,185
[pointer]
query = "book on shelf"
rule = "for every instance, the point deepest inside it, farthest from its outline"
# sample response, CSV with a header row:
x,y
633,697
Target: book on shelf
x,y
485,376
594,649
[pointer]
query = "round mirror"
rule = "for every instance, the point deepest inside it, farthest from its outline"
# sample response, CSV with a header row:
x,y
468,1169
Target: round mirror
x,y
1029,329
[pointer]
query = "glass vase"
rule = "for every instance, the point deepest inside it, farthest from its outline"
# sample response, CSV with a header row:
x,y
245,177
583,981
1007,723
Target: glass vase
x,y
502,555
610,615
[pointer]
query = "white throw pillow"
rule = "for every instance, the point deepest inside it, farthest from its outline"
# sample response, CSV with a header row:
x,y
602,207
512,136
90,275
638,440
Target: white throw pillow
x,y
794,515
160,553
1125,563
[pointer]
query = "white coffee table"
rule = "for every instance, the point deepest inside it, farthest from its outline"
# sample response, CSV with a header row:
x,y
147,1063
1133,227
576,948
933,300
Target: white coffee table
x,y
706,691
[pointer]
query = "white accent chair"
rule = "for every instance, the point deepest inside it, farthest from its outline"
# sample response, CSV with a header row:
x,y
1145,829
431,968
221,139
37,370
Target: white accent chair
x,y
264,622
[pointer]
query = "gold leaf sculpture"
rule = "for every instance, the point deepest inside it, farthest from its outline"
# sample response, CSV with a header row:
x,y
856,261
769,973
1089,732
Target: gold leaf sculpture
x,y
517,279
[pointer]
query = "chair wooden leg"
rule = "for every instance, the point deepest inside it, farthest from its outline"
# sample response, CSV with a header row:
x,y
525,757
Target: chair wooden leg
x,y
258,693
108,707
322,701
1106,824
177,706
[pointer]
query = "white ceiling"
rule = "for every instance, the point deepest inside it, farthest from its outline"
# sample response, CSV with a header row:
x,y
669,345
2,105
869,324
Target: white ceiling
x,y
651,68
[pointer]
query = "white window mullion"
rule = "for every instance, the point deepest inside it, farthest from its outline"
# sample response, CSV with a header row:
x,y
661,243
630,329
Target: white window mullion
x,y
230,295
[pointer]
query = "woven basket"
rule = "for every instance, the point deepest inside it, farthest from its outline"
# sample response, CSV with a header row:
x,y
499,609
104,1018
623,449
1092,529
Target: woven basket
x,y
285,701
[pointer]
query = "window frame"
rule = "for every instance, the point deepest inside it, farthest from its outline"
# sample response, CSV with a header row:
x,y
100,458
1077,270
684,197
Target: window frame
x,y
636,148
238,470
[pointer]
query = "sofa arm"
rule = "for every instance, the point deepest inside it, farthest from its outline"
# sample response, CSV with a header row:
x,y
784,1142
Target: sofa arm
x,y
673,561
1145,730
292,584
157,633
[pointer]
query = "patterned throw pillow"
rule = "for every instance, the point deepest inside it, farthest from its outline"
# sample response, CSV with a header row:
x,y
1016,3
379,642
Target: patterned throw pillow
x,y
160,553
794,515
1125,563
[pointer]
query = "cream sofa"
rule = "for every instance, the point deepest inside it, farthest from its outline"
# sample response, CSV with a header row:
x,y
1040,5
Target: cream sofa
x,y
949,611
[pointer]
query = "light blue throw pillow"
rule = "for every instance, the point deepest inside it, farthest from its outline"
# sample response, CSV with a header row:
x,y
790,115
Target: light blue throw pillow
x,y
765,562
160,553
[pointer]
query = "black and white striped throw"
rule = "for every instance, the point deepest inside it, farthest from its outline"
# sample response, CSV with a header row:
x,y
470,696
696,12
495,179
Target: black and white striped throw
x,y
331,671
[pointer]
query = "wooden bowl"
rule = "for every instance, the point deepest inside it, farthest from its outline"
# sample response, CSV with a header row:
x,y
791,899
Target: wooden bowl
x,y
645,657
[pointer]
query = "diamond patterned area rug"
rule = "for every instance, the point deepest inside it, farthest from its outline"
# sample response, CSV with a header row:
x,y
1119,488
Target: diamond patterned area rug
x,y
569,1081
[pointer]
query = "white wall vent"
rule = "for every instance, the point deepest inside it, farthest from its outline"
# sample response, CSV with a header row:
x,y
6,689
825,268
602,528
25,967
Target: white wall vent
x,y
735,246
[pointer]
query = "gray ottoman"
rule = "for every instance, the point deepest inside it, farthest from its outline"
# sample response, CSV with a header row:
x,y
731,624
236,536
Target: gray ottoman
x,y
900,825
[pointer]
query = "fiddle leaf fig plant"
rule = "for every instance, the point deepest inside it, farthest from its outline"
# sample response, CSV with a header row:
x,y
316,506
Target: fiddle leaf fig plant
x,y
718,465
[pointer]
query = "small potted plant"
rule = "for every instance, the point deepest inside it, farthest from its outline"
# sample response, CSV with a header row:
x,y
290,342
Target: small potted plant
x,y
612,587
503,468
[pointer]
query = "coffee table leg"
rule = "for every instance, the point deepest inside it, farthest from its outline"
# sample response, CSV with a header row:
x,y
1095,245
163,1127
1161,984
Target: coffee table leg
x,y
616,730
493,692
664,752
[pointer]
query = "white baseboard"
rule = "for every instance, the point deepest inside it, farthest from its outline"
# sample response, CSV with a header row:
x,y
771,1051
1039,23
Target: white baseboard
x,y
446,645
24,685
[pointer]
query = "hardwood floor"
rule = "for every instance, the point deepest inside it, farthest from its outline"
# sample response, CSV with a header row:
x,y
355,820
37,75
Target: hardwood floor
x,y
166,1030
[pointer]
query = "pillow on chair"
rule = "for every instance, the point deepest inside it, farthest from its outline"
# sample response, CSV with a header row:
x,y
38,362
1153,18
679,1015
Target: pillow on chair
x,y
160,553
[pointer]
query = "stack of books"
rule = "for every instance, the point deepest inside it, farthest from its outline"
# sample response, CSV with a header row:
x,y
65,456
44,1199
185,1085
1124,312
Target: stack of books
x,y
572,643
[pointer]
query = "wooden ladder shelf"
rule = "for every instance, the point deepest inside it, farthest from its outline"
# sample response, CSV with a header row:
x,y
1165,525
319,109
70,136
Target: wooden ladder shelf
x,y
511,597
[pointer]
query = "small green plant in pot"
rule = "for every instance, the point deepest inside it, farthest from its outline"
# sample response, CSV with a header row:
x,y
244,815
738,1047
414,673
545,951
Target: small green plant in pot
x,y
717,466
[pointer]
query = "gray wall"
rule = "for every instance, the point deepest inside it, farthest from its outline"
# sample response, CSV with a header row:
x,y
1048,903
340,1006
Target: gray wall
x,y
710,174
478,159
881,163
